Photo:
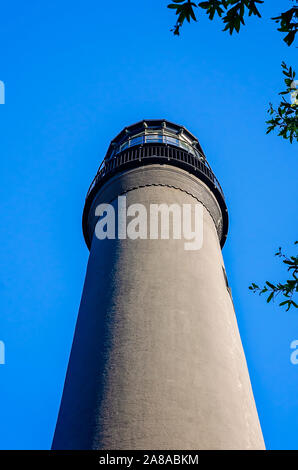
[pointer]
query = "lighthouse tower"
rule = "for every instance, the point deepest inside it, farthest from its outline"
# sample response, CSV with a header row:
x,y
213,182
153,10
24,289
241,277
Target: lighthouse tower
x,y
157,360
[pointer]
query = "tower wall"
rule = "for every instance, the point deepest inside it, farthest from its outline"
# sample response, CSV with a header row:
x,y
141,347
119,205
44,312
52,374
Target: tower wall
x,y
157,361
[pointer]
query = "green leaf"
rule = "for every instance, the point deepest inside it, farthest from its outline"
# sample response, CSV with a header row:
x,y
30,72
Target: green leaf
x,y
270,297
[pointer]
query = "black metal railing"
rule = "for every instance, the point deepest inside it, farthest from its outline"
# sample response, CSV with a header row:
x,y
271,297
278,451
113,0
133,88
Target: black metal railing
x,y
160,152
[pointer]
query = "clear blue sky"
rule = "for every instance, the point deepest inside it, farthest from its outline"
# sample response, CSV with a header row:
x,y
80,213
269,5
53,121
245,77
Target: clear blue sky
x,y
75,74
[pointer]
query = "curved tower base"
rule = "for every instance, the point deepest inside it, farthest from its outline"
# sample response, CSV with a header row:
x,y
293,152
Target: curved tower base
x,y
157,361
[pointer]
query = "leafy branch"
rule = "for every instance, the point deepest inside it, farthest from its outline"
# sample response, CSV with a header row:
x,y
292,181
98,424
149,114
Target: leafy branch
x,y
288,289
232,12
285,117
288,23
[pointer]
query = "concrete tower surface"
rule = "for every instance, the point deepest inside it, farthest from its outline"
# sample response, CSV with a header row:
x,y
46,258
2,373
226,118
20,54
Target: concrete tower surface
x,y
157,360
